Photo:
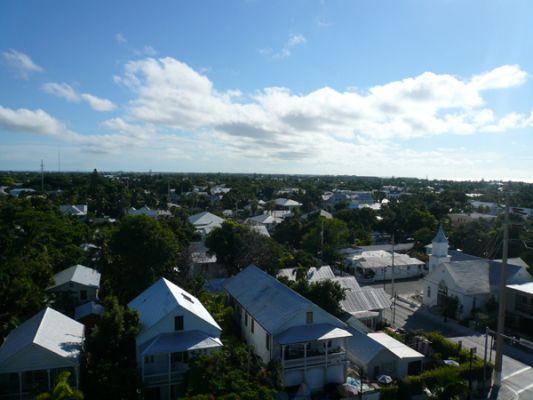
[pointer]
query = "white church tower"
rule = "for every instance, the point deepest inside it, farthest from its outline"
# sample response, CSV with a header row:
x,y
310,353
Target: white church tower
x,y
439,250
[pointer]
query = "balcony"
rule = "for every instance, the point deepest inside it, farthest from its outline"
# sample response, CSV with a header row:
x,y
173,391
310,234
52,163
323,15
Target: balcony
x,y
322,360
160,373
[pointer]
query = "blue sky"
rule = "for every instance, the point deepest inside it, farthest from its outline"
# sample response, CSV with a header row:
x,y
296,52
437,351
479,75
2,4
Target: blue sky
x,y
437,88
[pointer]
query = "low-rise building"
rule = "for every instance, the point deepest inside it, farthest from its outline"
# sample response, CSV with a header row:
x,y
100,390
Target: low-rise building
x,y
35,352
205,222
175,327
520,308
282,326
82,282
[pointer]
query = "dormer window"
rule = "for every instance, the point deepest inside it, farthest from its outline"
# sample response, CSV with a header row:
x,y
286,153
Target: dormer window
x,y
309,317
178,323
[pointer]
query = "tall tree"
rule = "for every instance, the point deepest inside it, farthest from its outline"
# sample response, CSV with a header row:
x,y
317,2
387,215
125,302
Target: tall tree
x,y
110,354
142,250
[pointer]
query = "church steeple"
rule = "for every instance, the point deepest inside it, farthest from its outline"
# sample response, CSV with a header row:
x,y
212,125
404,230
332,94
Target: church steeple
x,y
439,249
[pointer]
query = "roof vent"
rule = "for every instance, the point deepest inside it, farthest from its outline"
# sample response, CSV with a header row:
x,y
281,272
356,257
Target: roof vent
x,y
187,298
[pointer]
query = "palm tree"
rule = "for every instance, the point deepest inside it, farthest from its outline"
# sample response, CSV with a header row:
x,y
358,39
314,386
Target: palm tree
x,y
61,390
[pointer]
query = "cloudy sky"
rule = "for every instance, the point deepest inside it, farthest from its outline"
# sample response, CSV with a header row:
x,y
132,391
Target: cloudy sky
x,y
440,88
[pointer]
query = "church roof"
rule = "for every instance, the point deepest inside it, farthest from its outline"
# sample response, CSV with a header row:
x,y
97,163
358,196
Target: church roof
x,y
440,237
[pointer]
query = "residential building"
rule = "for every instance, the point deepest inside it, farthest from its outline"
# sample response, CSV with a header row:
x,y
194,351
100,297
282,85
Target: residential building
x,y
175,327
380,265
267,220
519,304
35,352
147,211
82,282
203,262
205,222
282,326
287,204
465,218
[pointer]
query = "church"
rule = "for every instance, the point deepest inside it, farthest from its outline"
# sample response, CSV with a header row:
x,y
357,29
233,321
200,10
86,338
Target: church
x,y
473,280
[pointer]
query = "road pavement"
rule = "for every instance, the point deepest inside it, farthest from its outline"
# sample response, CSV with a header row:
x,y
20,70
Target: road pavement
x,y
517,375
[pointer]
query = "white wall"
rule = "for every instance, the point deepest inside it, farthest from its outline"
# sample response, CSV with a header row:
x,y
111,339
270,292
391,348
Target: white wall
x,y
257,339
34,358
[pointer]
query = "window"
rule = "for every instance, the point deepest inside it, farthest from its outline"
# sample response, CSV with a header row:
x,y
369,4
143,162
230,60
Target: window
x,y
253,325
268,341
245,318
429,291
83,294
178,323
309,317
148,359
182,357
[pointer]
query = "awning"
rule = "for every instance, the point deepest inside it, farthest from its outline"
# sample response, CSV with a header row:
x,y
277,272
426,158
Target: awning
x,y
312,332
180,341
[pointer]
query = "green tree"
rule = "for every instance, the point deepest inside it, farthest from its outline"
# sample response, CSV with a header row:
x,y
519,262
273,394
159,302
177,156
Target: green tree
x,y
141,251
62,390
325,237
110,353
325,294
237,246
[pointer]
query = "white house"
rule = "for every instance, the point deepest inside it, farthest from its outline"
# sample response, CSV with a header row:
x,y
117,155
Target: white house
x,y
380,265
81,281
282,326
267,220
287,204
205,222
175,327
35,352
471,279
147,211
519,310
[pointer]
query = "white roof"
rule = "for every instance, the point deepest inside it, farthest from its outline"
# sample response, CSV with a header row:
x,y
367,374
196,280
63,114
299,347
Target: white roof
x,y
524,287
287,202
264,219
162,298
347,282
74,209
50,330
78,274
306,333
205,218
398,348
321,274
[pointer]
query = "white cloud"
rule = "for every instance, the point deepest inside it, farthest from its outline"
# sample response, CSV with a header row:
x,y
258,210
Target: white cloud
x,y
120,38
98,103
293,41
21,62
68,93
33,121
500,78
61,90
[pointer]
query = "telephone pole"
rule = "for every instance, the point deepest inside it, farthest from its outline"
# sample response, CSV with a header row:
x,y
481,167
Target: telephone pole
x,y
392,286
498,360
42,176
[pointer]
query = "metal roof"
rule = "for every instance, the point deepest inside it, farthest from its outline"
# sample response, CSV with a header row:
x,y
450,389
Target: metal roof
x,y
524,287
78,274
205,218
50,330
162,298
90,308
320,274
365,299
440,237
394,346
261,229
268,300
180,341
347,282
312,332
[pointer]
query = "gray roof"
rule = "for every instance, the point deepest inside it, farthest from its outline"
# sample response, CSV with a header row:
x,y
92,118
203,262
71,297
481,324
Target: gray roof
x,y
365,299
382,262
90,308
363,348
268,300
313,332
205,218
261,229
388,247
78,274
50,330
480,276
321,274
265,219
347,282
173,342
162,298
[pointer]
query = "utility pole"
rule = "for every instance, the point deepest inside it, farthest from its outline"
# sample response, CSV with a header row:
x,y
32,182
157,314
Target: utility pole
x,y
472,352
392,286
485,359
42,176
498,360
322,239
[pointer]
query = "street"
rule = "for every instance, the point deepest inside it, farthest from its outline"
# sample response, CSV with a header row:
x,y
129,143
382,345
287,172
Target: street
x,y
517,376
